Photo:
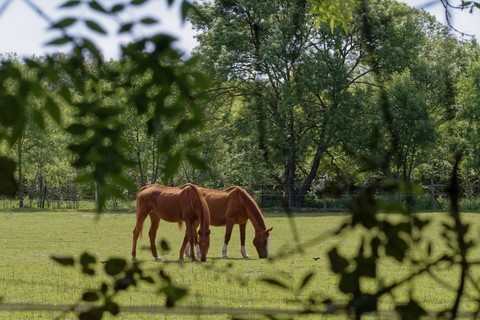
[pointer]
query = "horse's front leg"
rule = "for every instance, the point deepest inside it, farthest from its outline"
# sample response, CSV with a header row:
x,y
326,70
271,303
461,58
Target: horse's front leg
x,y
243,251
189,239
152,235
197,247
187,248
184,248
192,239
228,235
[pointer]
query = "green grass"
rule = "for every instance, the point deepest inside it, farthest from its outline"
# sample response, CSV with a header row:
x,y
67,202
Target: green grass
x,y
28,275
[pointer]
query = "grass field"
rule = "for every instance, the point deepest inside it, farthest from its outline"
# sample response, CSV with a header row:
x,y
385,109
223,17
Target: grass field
x,y
28,275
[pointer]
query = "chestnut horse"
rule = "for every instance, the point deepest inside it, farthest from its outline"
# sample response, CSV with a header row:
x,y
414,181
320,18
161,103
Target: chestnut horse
x,y
173,205
235,206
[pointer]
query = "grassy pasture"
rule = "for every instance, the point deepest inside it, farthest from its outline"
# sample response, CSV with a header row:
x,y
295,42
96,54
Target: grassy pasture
x,y
28,275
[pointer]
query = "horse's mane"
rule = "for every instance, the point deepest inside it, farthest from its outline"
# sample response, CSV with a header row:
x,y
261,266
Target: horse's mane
x,y
252,205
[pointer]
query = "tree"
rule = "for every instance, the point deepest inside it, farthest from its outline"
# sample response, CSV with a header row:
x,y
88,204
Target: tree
x,y
167,95
297,82
333,13
466,129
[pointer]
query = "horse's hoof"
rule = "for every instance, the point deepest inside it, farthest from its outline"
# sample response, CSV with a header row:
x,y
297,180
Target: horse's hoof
x,y
134,259
158,259
181,260
246,257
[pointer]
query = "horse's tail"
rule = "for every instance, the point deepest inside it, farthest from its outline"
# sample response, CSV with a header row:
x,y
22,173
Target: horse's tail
x,y
251,205
205,211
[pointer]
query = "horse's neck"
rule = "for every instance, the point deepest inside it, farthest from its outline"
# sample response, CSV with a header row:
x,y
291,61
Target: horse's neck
x,y
254,214
258,225
205,212
202,212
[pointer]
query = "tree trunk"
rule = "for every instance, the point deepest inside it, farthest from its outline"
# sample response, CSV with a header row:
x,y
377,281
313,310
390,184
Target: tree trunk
x,y
42,191
290,186
292,160
139,161
21,190
155,161
307,183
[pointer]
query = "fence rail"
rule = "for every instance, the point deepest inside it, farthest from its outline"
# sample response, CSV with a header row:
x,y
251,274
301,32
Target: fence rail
x,y
326,309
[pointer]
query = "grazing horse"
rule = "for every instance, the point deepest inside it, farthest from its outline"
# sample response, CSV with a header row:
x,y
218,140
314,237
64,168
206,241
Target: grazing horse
x,y
173,205
235,206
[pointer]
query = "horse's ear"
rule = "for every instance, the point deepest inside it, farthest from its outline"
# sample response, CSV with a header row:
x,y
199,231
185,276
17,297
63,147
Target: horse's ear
x,y
268,230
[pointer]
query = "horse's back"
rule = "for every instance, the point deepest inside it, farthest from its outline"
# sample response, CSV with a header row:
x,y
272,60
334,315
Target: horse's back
x,y
220,203
163,201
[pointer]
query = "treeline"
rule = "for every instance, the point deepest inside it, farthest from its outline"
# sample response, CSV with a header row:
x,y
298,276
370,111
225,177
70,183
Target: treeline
x,y
288,104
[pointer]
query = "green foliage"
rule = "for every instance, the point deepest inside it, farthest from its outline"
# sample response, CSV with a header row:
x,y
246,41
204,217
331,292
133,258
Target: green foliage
x,y
297,94
334,13
98,92
300,96
468,115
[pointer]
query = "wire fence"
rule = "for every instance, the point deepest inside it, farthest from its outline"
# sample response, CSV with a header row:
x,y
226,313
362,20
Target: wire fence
x,y
433,197
85,202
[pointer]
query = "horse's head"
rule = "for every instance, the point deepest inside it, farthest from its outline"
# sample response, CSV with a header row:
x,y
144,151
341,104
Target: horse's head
x,y
204,243
261,242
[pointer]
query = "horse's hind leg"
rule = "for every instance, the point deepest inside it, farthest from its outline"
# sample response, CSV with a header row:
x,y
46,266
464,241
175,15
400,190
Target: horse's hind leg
x,y
243,251
136,234
153,234
137,230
